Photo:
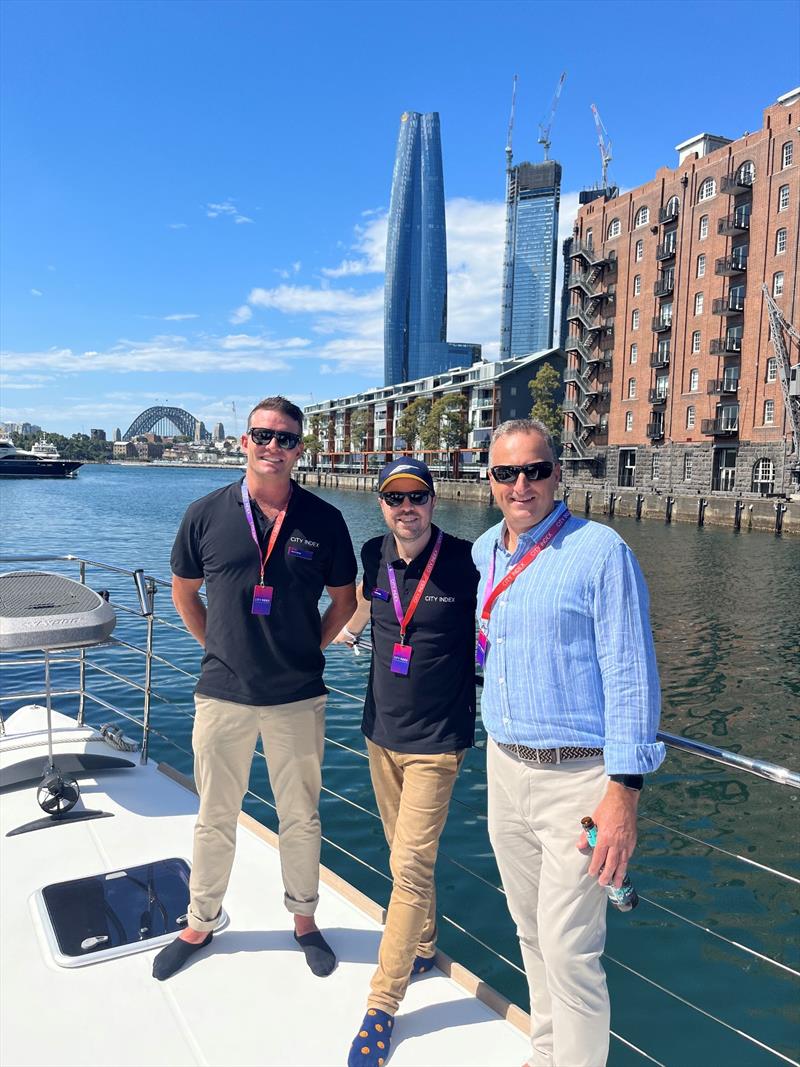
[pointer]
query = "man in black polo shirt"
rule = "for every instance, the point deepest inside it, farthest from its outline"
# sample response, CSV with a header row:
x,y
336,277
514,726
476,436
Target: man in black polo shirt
x,y
419,590
265,549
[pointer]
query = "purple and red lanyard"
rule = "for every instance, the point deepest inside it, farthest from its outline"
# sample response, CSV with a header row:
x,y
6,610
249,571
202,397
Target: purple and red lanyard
x,y
401,654
482,645
262,594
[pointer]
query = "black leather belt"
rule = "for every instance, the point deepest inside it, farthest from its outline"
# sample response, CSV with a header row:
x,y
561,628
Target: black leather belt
x,y
550,755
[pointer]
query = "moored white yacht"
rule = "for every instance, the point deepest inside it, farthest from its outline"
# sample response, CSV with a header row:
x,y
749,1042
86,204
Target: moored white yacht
x,y
42,461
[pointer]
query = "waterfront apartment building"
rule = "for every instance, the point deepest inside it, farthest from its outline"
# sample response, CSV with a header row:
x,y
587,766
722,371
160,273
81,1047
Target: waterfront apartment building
x,y
533,191
359,433
672,381
415,288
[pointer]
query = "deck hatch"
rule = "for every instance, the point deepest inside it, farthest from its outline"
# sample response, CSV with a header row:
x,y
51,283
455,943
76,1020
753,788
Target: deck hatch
x,y
116,912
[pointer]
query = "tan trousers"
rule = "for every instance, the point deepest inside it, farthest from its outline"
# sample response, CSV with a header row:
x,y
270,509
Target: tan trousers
x,y
224,739
560,911
413,794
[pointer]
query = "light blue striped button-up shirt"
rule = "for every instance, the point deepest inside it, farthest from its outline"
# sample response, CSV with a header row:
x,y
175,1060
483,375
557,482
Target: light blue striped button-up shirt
x,y
571,658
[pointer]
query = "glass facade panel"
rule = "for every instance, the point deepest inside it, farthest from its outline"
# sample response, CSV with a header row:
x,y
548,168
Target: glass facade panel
x,y
529,279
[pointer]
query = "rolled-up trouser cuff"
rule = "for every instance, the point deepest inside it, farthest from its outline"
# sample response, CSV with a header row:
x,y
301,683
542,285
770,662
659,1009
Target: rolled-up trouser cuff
x,y
202,925
300,907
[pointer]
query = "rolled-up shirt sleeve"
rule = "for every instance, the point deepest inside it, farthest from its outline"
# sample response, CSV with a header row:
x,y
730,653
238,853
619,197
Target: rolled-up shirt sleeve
x,y
625,652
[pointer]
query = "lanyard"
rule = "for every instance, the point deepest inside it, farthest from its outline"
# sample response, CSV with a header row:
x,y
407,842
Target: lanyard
x,y
276,527
404,620
518,567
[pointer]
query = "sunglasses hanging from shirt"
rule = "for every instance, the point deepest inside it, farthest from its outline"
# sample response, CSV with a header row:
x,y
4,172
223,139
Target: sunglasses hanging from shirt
x,y
401,654
482,644
534,472
262,594
262,436
416,496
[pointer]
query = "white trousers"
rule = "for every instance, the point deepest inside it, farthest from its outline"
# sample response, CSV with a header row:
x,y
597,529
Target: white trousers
x,y
560,911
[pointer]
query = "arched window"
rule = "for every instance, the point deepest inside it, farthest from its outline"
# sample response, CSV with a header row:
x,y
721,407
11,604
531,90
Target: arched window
x,y
638,252
763,476
707,190
702,230
637,285
589,239
745,175
780,241
783,198
673,207
631,388
690,417
628,421
642,216
694,380
787,154
614,228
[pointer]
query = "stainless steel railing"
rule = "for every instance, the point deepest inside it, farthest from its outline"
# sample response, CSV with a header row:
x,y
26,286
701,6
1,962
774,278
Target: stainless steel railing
x,y
146,588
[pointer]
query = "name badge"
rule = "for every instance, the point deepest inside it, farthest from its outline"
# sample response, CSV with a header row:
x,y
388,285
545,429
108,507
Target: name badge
x,y
380,594
301,553
262,600
481,648
401,659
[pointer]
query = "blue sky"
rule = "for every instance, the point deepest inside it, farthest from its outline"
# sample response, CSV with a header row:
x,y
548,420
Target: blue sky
x,y
194,194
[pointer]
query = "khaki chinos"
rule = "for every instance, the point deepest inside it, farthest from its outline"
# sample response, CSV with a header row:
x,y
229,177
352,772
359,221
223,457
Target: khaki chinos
x,y
413,793
224,739
560,910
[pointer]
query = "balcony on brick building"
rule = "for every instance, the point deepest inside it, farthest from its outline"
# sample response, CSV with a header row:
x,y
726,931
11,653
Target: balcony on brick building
x,y
668,213
667,249
726,424
730,345
735,263
735,184
657,396
655,430
665,284
733,304
659,324
723,386
736,223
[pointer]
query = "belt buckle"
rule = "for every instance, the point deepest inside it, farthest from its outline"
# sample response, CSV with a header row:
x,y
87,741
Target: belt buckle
x,y
557,752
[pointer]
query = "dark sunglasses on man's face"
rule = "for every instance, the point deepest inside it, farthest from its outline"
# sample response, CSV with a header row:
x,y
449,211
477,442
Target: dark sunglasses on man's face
x,y
262,436
394,500
534,472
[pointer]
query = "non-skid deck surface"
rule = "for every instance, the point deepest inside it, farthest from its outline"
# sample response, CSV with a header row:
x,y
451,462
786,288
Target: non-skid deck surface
x,y
250,999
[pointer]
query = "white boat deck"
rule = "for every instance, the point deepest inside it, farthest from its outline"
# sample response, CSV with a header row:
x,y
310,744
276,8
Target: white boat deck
x,y
248,999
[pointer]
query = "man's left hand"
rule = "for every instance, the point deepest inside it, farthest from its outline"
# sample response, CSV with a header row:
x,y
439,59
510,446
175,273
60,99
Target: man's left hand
x,y
615,819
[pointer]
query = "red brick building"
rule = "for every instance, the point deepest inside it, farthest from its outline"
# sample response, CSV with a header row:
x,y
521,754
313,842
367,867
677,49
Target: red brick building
x,y
672,382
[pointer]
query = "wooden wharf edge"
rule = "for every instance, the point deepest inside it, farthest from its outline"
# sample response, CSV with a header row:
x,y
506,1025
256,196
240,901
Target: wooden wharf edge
x,y
463,977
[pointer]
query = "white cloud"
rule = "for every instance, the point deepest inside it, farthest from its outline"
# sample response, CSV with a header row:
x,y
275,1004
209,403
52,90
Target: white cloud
x,y
180,317
240,315
227,209
304,299
242,218
177,226
36,292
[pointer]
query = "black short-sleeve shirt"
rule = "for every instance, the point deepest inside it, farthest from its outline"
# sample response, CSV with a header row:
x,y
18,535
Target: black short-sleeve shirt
x,y
432,708
257,659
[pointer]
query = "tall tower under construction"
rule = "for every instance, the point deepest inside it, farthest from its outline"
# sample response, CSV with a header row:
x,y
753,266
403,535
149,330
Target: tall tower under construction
x,y
533,191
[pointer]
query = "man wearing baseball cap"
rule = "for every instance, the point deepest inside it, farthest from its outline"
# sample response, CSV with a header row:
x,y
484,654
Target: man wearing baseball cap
x,y
419,590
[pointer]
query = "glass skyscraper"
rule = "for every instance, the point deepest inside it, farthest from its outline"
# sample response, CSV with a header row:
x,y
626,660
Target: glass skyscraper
x,y
415,298
529,267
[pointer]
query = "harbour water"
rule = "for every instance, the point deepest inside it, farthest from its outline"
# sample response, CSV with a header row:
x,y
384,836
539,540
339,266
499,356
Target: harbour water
x,y
726,619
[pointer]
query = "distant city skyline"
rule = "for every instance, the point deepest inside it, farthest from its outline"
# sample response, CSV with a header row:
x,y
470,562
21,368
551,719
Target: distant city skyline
x,y
175,241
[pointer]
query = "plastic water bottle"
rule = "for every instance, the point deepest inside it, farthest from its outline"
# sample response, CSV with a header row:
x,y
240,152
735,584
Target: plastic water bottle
x,y
624,898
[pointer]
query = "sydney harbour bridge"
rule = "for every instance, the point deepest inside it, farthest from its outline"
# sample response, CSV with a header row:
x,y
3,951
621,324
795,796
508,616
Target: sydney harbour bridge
x,y
166,422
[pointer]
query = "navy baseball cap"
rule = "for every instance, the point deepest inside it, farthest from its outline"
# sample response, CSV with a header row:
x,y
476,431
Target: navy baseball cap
x,y
405,467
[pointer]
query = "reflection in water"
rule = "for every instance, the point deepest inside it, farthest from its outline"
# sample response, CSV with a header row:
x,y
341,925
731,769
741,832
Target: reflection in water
x,y
726,618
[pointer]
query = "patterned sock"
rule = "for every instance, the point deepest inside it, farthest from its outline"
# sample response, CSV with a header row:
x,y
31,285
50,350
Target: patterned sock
x,y
423,964
319,954
175,955
370,1047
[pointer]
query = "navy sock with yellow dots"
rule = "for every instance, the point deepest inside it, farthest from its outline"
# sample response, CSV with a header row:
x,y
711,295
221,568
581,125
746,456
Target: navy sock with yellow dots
x,y
371,1044
423,964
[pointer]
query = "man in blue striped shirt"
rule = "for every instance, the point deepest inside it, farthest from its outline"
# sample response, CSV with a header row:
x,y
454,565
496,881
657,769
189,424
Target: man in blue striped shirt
x,y
571,703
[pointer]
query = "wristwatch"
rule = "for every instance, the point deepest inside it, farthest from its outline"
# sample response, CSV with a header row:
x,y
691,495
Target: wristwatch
x,y
631,781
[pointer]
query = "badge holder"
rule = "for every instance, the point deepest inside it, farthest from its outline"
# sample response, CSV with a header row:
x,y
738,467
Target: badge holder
x,y
401,659
262,600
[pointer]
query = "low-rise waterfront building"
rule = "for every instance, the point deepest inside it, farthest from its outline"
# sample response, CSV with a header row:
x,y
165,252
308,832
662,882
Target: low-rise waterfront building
x,y
360,432
673,383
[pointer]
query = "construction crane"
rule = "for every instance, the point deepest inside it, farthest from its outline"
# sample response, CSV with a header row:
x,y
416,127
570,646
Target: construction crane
x,y
544,129
511,124
604,144
235,419
788,375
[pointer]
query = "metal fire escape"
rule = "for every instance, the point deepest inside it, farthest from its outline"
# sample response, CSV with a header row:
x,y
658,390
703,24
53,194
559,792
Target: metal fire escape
x,y
588,348
788,375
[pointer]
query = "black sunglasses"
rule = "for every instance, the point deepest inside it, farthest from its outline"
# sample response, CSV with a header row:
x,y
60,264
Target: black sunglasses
x,y
534,472
262,436
394,500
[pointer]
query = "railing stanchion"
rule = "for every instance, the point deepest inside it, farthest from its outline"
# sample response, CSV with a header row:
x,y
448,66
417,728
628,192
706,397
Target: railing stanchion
x,y
82,664
148,668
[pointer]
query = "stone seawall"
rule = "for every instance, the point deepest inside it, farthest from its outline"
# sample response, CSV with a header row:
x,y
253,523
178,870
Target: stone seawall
x,y
746,512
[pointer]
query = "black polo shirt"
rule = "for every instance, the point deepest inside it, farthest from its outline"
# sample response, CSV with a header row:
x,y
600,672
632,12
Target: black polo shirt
x,y
258,659
432,708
